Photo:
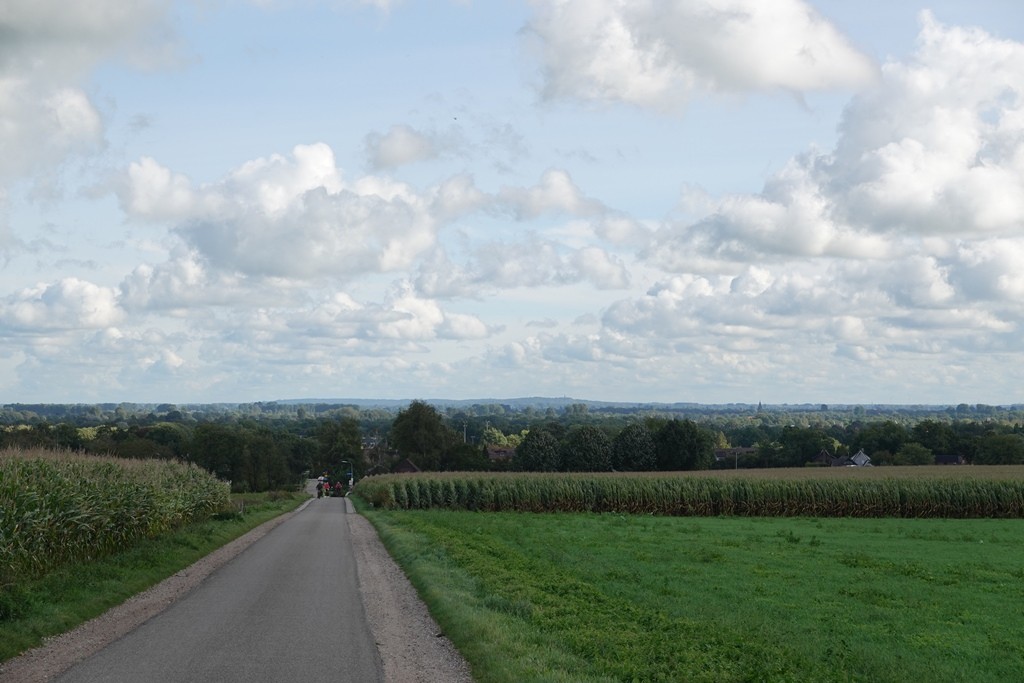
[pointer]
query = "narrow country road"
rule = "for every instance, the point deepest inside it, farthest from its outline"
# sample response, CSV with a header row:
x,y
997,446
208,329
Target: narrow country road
x,y
288,608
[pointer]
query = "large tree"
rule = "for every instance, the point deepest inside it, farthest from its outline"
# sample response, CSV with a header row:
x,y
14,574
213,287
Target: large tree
x,y
338,440
586,449
684,445
539,452
420,434
939,437
877,437
633,449
800,445
1000,449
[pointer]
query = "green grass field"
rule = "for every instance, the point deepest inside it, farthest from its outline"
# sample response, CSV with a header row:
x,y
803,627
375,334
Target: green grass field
x,y
587,597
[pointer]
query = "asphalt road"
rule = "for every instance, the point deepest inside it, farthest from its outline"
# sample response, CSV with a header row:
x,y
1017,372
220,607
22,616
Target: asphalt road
x,y
286,609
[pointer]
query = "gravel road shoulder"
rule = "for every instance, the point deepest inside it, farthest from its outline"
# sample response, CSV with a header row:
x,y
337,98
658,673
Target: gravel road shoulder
x,y
411,645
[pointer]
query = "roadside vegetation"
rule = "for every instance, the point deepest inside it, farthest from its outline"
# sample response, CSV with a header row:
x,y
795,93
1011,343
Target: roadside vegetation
x,y
60,508
80,534
586,597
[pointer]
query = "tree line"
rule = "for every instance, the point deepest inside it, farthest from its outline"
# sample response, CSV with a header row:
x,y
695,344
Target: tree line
x,y
267,446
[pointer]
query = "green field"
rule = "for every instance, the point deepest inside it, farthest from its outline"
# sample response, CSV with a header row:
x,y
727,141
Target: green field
x,y
611,597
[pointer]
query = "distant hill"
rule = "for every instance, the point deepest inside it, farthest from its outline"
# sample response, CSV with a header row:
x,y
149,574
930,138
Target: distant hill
x,y
523,402
543,403
561,402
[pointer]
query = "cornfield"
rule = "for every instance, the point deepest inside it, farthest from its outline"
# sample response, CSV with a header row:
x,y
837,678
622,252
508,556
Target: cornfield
x,y
57,508
963,492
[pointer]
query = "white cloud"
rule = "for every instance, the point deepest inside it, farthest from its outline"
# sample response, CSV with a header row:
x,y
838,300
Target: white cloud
x,y
48,48
401,145
368,328
600,268
68,304
556,192
532,263
297,217
456,197
989,270
40,126
938,147
918,281
657,52
292,217
157,193
463,326
918,210
183,283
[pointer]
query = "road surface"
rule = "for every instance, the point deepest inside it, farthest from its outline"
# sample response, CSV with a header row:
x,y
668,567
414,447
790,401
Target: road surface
x,y
288,608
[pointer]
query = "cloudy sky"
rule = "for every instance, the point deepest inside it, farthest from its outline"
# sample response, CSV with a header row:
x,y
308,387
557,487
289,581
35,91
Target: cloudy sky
x,y
637,200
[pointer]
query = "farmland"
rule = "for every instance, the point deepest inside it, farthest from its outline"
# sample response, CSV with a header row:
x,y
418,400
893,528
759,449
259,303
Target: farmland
x,y
994,491
572,577
610,597
58,508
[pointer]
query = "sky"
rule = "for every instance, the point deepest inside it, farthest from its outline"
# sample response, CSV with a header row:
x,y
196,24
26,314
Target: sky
x,y
713,201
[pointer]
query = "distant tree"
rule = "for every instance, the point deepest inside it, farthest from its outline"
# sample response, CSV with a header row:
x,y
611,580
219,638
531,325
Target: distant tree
x,y
264,462
138,447
912,453
633,449
576,410
175,438
419,433
683,445
748,436
514,440
68,436
884,436
219,449
938,437
1000,449
338,439
539,452
882,457
800,445
586,449
494,436
464,457
554,428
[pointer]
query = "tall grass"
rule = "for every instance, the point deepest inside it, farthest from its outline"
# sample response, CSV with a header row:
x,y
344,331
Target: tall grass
x,y
58,508
877,492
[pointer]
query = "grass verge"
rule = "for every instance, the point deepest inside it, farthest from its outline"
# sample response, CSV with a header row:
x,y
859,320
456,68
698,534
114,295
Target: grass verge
x,y
586,597
72,595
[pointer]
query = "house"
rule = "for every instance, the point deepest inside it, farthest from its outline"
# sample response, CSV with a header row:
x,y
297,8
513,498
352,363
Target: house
x,y
822,459
733,454
405,466
858,459
950,460
499,453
